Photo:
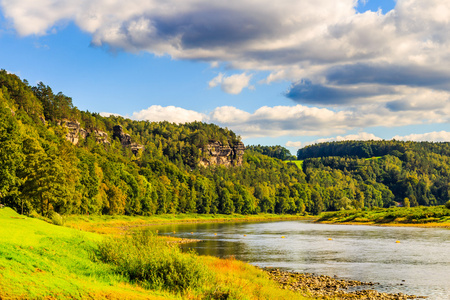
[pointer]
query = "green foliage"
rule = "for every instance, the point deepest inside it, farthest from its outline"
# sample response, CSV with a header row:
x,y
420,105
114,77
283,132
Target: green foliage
x,y
447,204
150,261
272,151
42,172
396,215
42,261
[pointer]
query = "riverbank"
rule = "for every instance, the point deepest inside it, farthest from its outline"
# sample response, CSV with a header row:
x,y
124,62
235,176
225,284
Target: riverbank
x,y
420,216
119,224
39,260
326,287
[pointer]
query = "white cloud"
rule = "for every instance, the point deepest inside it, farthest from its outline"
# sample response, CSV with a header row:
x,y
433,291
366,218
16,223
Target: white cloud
x,y
293,144
374,69
108,114
361,136
435,136
233,84
157,113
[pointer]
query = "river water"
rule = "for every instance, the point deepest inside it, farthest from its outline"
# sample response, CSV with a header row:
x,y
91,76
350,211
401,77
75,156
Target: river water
x,y
401,259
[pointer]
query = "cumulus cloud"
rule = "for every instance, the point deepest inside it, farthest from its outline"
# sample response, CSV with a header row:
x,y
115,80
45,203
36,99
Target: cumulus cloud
x,y
361,136
233,84
300,120
435,136
307,92
108,114
395,63
157,113
293,144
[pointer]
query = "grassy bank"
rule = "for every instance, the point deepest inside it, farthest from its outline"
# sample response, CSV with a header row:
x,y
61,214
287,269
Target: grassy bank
x,y
39,260
119,224
424,216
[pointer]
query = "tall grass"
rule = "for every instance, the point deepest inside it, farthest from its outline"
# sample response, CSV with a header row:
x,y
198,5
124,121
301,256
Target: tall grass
x,y
152,262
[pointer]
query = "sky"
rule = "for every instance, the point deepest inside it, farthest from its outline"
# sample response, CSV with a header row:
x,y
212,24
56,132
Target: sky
x,y
287,72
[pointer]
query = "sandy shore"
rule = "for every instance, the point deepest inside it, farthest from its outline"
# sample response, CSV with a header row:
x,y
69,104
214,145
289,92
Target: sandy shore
x,y
326,287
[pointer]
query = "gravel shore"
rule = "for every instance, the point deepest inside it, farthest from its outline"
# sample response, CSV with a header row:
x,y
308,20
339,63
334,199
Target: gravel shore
x,y
326,287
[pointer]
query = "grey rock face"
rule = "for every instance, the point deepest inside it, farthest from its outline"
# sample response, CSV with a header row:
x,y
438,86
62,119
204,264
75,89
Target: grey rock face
x,y
225,155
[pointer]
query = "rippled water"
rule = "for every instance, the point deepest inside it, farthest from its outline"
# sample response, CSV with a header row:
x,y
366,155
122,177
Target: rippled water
x,y
419,264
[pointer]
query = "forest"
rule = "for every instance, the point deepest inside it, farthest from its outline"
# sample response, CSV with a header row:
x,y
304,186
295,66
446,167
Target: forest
x,y
42,173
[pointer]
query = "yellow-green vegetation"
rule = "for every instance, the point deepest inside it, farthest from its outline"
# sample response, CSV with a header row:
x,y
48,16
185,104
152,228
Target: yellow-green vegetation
x,y
374,158
105,224
298,163
420,215
39,260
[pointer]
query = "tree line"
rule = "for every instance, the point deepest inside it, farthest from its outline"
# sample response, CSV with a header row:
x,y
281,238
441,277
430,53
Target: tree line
x,y
41,172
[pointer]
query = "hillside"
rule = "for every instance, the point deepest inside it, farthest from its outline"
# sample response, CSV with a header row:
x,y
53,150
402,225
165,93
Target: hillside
x,y
57,158
412,173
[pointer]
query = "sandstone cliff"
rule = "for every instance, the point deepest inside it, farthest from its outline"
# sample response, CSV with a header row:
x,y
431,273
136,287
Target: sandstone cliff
x,y
217,154
76,132
125,139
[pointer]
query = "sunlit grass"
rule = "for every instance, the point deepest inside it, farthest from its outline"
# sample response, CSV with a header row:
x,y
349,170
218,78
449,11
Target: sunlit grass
x,y
298,163
426,216
39,260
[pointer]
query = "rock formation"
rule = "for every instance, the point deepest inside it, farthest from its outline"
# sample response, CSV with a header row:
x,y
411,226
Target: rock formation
x,y
101,137
217,154
76,132
125,139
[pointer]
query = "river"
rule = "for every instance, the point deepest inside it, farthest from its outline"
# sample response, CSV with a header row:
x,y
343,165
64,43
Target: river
x,y
409,260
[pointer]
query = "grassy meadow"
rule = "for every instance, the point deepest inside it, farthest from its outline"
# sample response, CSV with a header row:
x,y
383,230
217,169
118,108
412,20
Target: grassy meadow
x,y
424,216
39,260
298,163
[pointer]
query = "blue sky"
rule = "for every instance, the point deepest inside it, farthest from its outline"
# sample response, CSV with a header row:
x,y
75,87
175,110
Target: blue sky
x,y
288,73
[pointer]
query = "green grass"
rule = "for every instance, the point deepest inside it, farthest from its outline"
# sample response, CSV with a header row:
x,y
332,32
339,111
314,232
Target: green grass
x,y
298,163
420,215
39,260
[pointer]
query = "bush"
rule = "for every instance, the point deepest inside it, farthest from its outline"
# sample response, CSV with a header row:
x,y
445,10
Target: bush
x,y
57,219
447,204
147,259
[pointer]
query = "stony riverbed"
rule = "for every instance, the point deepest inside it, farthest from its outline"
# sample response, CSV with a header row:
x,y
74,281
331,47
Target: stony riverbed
x,y
327,287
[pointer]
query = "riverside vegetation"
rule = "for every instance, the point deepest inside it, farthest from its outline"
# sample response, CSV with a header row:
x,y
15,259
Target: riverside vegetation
x,y
39,260
437,216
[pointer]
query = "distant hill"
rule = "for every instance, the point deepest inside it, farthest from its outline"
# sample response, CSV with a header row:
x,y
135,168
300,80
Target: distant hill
x,y
418,172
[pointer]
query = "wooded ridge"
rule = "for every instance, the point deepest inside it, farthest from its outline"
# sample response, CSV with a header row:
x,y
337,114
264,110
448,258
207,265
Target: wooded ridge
x,y
55,158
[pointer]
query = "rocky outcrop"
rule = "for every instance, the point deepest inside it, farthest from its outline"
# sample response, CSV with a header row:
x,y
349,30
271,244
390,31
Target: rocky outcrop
x,y
125,140
101,137
217,154
75,132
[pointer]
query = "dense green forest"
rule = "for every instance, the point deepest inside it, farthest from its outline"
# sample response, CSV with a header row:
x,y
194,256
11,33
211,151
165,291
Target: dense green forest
x,y
273,151
41,172
412,173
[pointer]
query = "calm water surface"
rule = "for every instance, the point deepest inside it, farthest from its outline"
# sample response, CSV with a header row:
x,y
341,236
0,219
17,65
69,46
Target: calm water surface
x,y
419,264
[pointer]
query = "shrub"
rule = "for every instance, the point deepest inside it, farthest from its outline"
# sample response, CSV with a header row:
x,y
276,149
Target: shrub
x,y
57,219
149,260
447,204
